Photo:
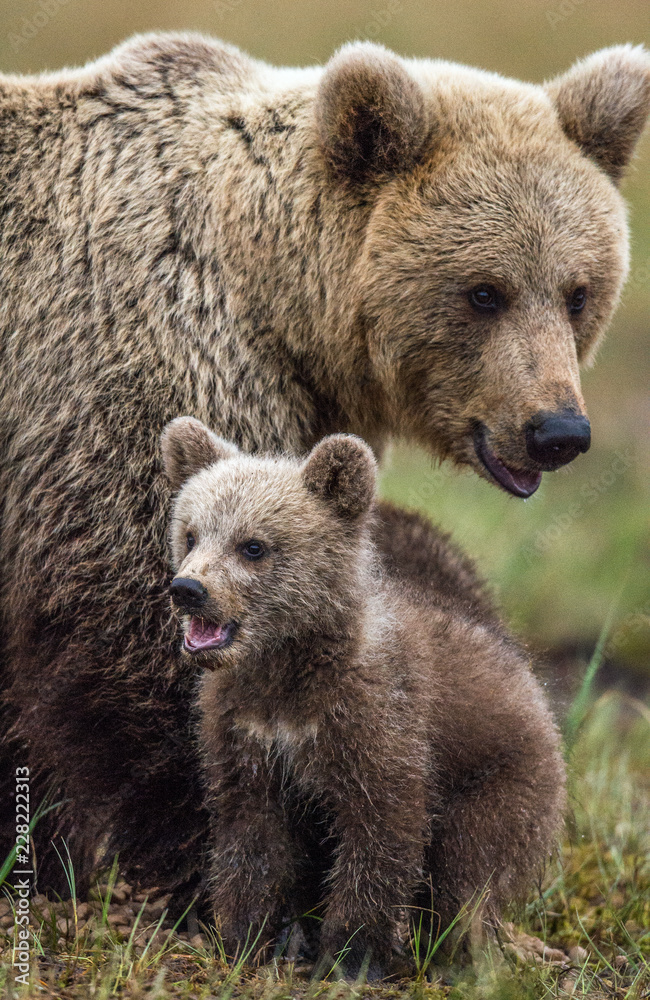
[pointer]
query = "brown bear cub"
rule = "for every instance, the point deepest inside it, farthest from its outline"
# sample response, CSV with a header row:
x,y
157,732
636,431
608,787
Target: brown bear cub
x,y
364,743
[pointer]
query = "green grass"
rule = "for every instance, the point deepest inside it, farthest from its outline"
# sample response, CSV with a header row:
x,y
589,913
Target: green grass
x,y
594,895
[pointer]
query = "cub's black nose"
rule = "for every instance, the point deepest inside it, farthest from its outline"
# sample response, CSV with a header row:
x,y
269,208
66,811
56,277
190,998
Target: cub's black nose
x,y
187,594
553,439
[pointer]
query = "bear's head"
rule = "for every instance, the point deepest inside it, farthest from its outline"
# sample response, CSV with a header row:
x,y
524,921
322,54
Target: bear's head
x,y
264,549
496,247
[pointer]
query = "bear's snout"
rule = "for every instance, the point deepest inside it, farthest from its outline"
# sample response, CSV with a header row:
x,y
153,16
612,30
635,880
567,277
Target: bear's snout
x,y
187,594
554,439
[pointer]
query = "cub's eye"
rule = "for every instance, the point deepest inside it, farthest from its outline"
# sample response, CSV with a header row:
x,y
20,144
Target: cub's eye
x,y
577,300
253,550
485,298
190,541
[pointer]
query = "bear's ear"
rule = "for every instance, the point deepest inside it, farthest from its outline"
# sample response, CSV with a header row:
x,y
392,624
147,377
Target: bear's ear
x,y
342,470
188,446
370,113
603,104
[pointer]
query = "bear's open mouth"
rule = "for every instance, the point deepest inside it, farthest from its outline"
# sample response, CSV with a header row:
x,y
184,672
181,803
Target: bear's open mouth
x,y
516,481
201,635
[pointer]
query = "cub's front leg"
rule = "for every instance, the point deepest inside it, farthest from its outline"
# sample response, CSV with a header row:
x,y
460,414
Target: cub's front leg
x,y
375,780
252,869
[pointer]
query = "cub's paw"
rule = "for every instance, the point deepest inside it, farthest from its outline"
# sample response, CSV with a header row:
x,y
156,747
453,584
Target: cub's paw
x,y
251,935
356,955
530,950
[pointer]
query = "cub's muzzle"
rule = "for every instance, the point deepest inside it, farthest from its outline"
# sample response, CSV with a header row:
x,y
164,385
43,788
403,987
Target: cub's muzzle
x,y
187,594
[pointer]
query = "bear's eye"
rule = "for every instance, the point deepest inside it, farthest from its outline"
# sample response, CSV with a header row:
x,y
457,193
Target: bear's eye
x,y
485,298
253,549
190,541
577,300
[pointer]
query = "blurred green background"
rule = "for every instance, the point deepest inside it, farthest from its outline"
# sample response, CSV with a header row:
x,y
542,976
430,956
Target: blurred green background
x,y
558,560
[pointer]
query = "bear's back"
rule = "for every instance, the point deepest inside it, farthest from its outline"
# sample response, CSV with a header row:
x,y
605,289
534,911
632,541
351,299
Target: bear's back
x,y
425,561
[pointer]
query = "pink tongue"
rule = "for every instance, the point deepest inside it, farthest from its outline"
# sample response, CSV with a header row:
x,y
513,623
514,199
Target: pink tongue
x,y
204,635
526,481
518,482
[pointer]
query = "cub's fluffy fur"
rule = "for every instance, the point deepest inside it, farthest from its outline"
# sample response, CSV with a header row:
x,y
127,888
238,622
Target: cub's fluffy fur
x,y
364,737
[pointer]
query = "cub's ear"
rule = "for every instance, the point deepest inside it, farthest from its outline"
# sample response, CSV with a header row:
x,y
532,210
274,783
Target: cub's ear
x,y
342,470
188,446
603,103
370,113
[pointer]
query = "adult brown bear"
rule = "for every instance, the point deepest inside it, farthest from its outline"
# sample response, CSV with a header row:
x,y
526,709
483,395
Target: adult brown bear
x,y
379,246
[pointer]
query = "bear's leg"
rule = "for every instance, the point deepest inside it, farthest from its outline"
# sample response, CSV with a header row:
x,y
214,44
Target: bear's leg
x,y
132,784
377,788
254,857
160,829
311,828
53,827
502,794
14,761
57,830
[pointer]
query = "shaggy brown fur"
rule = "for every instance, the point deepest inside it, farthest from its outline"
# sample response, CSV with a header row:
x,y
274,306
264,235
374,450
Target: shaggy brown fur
x,y
415,552
347,708
282,253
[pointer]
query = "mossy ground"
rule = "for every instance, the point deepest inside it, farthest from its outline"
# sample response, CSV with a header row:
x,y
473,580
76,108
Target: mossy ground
x,y
592,904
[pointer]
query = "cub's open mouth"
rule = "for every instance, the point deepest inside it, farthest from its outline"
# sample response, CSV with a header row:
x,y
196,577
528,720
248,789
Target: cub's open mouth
x,y
201,635
518,482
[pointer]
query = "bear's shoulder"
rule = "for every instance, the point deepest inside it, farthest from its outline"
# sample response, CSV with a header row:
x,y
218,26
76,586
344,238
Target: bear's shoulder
x,y
180,55
146,65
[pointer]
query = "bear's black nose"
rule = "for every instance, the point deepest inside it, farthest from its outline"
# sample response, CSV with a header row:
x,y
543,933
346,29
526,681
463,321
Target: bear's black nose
x,y
553,439
187,594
